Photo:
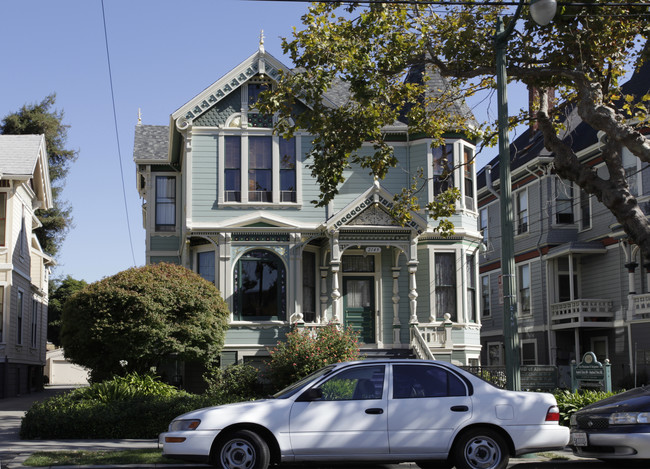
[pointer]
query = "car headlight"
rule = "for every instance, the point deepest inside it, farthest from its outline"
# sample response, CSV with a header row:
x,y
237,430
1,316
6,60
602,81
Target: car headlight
x,y
182,425
629,418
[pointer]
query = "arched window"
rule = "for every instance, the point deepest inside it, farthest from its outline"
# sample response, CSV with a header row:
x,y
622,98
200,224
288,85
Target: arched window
x,y
260,287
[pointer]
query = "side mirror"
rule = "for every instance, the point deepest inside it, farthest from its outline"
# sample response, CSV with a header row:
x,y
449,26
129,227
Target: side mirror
x,y
311,394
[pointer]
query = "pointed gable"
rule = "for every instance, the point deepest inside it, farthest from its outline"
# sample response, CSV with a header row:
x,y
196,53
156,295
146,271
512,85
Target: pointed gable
x,y
372,208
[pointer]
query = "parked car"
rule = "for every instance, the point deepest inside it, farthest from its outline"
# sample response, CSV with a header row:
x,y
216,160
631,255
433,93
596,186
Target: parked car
x,y
430,412
615,428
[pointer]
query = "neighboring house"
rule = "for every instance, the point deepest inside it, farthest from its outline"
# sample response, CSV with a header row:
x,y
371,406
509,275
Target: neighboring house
x,y
24,267
226,198
61,371
579,285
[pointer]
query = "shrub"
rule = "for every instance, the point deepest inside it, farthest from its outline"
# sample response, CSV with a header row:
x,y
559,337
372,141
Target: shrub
x,y
133,406
235,383
304,351
570,402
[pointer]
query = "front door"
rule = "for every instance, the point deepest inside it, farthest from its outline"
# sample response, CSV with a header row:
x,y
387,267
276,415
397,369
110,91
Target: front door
x,y
359,306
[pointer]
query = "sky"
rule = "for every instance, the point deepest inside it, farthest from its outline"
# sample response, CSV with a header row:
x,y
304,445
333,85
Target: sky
x,y
162,54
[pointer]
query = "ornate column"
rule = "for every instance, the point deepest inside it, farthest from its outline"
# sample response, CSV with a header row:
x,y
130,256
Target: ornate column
x,y
323,295
412,269
396,322
631,267
335,264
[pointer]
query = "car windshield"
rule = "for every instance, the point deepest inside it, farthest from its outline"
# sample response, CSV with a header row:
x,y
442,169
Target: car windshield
x,y
297,386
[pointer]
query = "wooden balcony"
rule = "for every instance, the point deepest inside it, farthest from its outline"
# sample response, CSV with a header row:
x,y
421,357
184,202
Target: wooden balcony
x,y
582,313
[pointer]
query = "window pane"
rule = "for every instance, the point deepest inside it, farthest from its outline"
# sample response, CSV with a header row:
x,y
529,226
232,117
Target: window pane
x,y
413,381
443,164
358,263
287,153
259,153
3,217
260,281
485,295
522,212
358,383
165,203
524,289
205,261
309,286
445,274
471,289
233,152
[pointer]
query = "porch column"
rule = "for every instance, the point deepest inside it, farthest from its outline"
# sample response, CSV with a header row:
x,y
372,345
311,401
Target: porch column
x,y
571,285
576,339
631,267
396,298
413,292
335,264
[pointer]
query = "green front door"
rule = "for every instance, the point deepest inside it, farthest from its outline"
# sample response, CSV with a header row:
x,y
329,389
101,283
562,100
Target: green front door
x,y
359,306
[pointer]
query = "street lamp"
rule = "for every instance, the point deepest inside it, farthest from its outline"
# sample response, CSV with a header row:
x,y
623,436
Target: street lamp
x,y
542,12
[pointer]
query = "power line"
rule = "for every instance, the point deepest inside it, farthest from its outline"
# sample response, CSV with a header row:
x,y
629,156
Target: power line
x,y
117,134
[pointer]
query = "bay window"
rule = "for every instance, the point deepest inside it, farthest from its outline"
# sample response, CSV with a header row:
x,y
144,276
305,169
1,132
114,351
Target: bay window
x,y
445,275
165,203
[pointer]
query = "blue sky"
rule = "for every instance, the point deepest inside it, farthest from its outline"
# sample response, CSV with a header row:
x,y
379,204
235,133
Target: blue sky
x,y
162,53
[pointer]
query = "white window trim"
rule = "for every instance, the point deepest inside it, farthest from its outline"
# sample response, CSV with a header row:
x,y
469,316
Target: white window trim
x,y
556,190
581,226
275,148
154,205
460,283
518,267
460,151
516,212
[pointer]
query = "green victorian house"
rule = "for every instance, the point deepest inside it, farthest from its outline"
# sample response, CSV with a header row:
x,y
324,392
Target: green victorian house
x,y
225,197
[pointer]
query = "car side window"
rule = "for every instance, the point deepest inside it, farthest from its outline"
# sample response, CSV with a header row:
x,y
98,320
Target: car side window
x,y
358,383
419,381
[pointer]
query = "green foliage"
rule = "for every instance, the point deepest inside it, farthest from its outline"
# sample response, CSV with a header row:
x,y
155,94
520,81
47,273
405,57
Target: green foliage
x,y
570,402
121,388
37,119
135,319
236,383
304,351
60,291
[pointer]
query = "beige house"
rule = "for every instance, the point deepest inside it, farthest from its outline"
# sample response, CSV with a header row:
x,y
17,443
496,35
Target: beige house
x,y
24,267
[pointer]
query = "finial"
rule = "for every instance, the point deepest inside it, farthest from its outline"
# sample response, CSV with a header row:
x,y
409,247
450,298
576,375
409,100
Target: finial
x,y
262,40
139,116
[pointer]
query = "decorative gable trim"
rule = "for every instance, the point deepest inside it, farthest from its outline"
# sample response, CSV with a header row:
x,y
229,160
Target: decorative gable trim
x,y
260,62
372,208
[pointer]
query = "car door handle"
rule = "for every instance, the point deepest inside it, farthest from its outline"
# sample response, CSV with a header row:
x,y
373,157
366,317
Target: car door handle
x,y
374,411
459,408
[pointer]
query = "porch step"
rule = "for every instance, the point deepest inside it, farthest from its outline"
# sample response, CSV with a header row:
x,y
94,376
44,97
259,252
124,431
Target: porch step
x,y
382,354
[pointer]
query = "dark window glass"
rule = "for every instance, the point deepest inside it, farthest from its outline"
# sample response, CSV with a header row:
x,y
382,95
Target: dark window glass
x,y
165,203
260,283
445,265
309,286
358,263
288,170
232,169
260,169
443,168
254,90
420,381
3,217
205,261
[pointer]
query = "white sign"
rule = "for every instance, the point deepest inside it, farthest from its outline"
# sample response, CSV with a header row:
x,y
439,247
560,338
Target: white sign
x,y
373,250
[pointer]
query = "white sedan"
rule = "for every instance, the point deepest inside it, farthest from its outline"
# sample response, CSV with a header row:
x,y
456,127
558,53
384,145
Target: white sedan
x,y
429,412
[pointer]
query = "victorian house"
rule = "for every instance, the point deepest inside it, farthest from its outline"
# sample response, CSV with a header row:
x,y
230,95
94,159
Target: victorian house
x,y
581,284
24,267
225,197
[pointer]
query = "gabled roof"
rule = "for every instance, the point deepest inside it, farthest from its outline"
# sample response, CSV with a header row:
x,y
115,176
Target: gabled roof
x,y
23,157
371,208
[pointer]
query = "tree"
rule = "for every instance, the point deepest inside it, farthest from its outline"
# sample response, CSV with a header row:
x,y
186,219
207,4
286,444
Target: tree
x,y
582,55
139,317
60,291
42,119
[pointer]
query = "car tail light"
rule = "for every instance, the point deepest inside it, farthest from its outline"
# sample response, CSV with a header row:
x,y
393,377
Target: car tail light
x,y
553,414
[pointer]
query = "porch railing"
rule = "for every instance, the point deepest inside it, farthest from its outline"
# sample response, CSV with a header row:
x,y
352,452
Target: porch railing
x,y
582,313
640,306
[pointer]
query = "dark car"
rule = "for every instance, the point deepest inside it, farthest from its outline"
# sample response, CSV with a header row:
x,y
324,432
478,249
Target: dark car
x,y
615,428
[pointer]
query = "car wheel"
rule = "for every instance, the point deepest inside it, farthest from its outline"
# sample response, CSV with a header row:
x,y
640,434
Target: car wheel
x,y
242,449
480,448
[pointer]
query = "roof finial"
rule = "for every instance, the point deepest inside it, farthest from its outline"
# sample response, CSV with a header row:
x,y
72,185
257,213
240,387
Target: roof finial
x,y
262,41
139,116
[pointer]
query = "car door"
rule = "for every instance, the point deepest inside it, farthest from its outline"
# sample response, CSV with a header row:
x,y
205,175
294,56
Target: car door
x,y
348,418
427,404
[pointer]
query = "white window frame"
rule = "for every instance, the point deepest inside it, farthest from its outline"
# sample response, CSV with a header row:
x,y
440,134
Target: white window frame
x,y
484,229
517,200
464,165
518,269
20,315
528,342
154,224
632,167
435,316
563,190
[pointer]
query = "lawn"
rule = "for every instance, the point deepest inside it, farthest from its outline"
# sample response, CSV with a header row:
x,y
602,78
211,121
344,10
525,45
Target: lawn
x,y
95,458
